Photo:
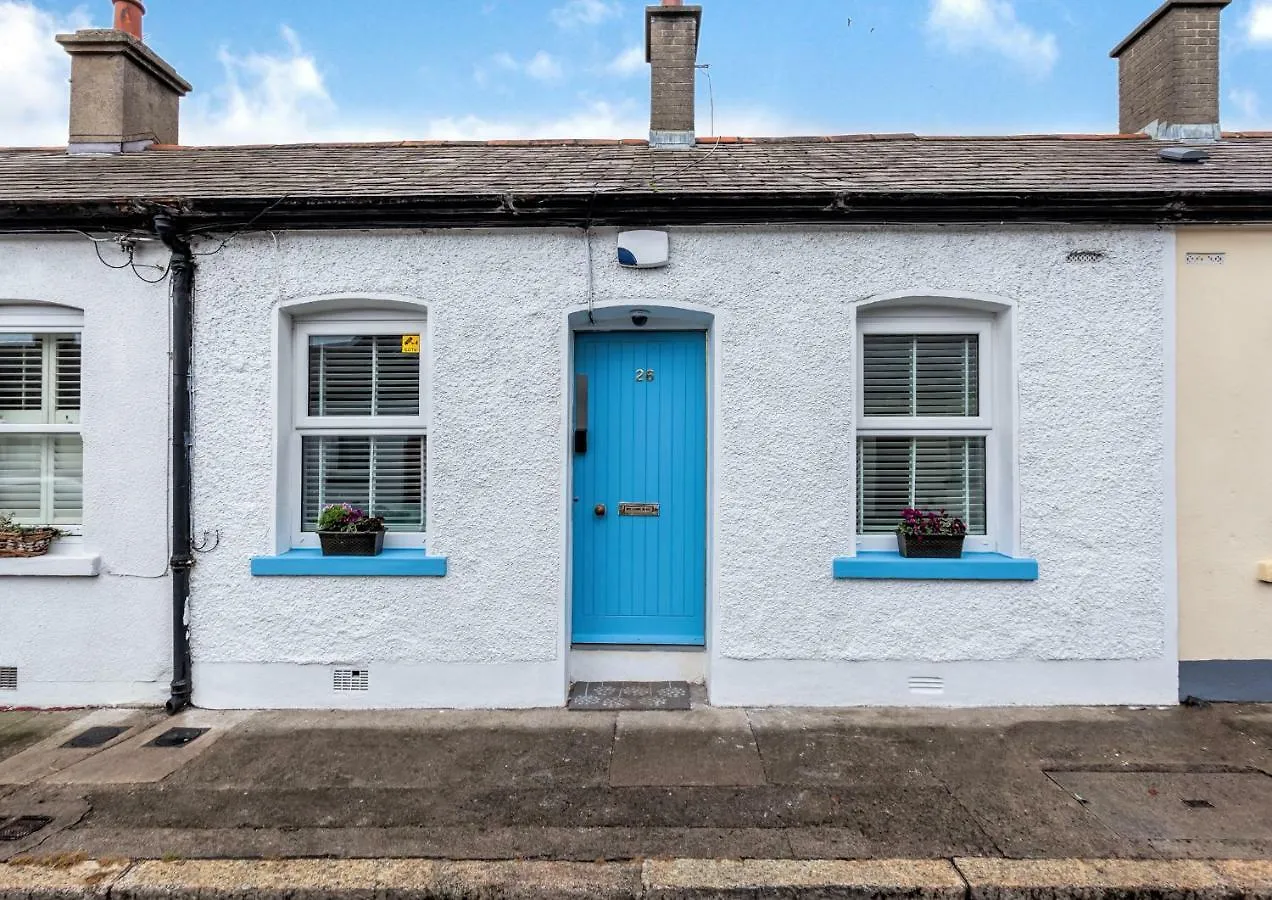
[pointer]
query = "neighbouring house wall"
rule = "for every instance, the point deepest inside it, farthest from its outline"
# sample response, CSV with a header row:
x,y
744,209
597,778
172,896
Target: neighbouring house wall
x,y
103,639
1092,339
1225,442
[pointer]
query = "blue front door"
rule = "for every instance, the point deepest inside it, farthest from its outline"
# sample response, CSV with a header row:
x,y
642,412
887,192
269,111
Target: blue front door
x,y
640,488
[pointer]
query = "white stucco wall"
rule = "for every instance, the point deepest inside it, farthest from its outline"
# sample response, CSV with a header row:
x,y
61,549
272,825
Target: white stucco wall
x,y
103,639
1098,626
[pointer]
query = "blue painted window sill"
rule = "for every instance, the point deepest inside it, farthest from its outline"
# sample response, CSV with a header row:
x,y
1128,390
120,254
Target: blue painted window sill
x,y
394,562
880,564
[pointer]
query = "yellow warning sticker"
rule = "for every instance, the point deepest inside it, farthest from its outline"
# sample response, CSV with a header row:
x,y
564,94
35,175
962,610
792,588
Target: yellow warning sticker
x,y
410,343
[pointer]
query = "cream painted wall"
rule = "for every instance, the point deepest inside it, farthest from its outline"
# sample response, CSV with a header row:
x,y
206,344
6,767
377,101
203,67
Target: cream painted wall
x,y
1224,422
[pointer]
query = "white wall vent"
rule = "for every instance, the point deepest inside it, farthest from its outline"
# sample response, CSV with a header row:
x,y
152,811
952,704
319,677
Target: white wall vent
x,y
8,678
351,680
927,684
1204,259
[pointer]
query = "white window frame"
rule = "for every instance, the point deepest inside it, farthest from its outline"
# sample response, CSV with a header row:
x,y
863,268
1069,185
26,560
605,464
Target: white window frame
x,y
35,320
988,423
300,424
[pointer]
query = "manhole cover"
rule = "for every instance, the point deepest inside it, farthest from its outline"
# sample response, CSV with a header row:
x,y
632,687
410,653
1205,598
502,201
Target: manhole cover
x,y
21,827
95,736
177,737
1180,806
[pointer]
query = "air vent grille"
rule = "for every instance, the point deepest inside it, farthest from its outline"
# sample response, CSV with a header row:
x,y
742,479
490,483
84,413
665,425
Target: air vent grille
x,y
8,678
927,684
1086,256
343,680
1204,259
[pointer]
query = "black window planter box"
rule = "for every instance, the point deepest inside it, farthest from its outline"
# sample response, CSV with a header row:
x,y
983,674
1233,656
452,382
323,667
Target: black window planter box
x,y
351,543
932,546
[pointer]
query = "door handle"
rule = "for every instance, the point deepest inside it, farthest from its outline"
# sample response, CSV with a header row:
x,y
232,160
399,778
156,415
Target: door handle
x,y
599,510
580,413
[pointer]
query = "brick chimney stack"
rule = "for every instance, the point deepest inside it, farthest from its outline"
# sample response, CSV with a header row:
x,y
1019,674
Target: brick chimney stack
x,y
1168,72
124,97
671,49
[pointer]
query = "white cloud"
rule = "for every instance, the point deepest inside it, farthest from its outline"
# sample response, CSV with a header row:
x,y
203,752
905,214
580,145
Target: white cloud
x,y
1259,23
271,98
543,67
968,26
1248,111
577,13
35,72
629,62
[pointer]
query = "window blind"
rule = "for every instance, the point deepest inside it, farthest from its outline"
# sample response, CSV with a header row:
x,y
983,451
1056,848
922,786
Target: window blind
x,y
41,478
41,475
66,370
925,472
921,375
381,474
21,372
362,375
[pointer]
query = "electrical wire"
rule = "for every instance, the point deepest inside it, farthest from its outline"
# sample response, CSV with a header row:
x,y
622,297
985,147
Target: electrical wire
x,y
256,218
706,68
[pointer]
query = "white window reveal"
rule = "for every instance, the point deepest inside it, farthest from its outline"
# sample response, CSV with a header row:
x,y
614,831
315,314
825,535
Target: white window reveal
x,y
41,448
926,427
360,424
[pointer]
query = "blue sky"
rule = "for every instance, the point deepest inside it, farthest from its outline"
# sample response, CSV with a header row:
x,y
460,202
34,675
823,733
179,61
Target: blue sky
x,y
268,70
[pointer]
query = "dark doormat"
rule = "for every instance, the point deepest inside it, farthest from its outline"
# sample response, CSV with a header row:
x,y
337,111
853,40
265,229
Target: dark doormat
x,y
628,695
177,737
96,736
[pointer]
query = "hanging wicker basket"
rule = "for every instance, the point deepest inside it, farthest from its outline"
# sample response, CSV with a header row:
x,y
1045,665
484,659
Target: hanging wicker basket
x,y
29,542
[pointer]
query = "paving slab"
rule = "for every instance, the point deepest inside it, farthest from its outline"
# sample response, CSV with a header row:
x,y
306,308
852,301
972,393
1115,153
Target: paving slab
x,y
840,756
492,755
714,747
66,878
1253,878
130,761
313,879
49,757
62,813
20,729
679,879
1177,806
1075,879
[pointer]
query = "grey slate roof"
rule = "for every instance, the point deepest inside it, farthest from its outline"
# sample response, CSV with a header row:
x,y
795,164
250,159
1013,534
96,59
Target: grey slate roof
x,y
894,164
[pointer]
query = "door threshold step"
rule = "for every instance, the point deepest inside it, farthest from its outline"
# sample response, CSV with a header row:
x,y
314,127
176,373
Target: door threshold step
x,y
626,696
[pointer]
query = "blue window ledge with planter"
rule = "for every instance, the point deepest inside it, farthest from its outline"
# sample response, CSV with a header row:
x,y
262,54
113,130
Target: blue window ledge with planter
x,y
888,564
393,562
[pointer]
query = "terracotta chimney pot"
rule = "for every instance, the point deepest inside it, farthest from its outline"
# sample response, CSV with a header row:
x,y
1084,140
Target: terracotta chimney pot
x,y
128,15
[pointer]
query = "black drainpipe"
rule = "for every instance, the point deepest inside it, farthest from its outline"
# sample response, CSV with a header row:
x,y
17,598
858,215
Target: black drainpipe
x,y
181,266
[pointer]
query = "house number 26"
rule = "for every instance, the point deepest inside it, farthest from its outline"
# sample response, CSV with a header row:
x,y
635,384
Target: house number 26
x,y
644,374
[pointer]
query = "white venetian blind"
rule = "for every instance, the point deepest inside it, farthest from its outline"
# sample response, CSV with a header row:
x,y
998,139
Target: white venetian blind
x,y
362,375
21,372
921,375
41,475
383,475
926,472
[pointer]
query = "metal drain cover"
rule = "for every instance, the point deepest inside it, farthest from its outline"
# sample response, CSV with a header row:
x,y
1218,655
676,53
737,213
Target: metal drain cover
x,y
1179,806
95,736
177,737
22,826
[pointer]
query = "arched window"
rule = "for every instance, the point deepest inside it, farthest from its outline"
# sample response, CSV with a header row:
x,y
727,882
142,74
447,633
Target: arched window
x,y
935,392
358,418
41,445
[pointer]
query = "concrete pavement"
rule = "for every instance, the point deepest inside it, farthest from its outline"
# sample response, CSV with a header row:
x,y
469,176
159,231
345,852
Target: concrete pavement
x,y
803,786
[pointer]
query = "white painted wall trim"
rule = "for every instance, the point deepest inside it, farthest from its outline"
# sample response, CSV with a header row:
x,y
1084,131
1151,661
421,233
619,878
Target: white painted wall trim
x,y
1170,486
592,664
525,685
821,683
59,694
